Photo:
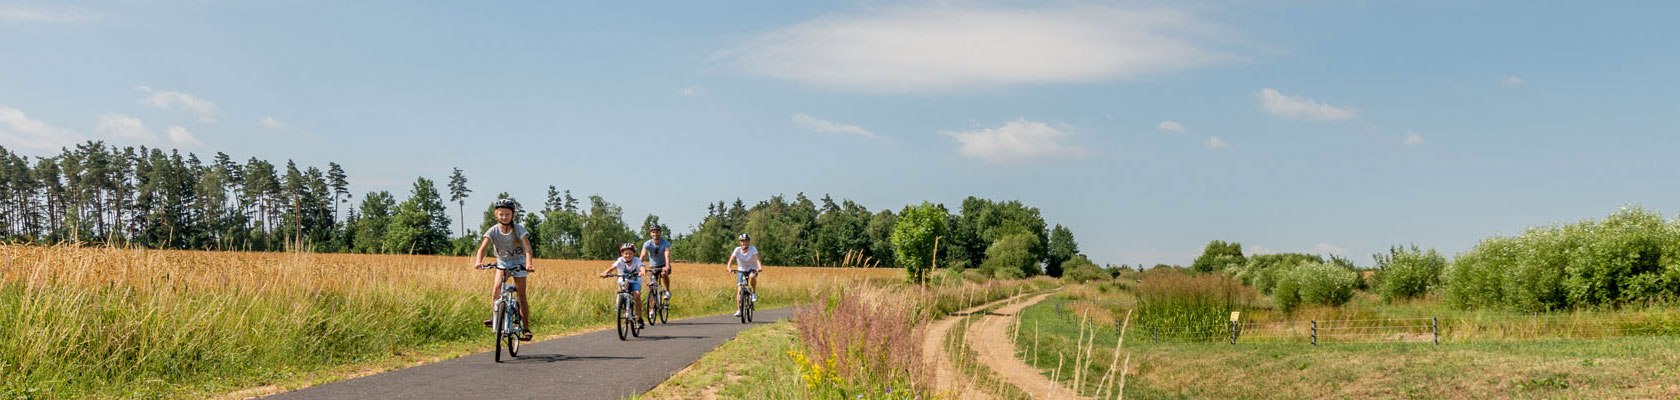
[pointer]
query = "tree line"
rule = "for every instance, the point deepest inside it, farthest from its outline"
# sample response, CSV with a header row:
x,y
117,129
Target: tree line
x,y
149,197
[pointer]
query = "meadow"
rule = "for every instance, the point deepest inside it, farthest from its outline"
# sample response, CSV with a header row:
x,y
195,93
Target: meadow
x,y
134,323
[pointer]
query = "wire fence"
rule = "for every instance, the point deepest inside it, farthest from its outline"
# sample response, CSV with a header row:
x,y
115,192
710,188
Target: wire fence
x,y
1428,330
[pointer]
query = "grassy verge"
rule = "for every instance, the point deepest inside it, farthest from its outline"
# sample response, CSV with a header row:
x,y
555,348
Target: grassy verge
x,y
1052,338
116,323
754,365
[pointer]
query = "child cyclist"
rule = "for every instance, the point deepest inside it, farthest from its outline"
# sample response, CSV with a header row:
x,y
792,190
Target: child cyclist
x,y
513,248
630,272
746,265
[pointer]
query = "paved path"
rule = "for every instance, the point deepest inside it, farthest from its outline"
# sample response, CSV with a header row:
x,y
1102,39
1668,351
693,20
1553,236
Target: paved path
x,y
594,365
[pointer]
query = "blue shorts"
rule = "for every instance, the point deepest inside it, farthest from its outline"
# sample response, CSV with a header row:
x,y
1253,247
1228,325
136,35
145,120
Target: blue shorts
x,y
635,284
520,273
741,276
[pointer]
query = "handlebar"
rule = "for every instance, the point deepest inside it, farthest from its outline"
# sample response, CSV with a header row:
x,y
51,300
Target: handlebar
x,y
500,267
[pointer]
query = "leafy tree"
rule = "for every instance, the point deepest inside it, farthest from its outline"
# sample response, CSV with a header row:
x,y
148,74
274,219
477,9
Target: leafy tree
x,y
1062,248
1408,273
375,218
1011,257
604,230
419,226
913,238
1219,255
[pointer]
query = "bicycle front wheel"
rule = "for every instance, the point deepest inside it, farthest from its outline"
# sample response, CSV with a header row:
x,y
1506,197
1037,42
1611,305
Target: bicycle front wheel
x,y
497,321
623,325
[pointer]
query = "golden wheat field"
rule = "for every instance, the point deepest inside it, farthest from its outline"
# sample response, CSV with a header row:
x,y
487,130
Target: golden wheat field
x,y
108,322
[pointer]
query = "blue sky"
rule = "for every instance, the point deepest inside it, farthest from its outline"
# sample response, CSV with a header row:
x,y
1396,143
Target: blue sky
x,y
1148,128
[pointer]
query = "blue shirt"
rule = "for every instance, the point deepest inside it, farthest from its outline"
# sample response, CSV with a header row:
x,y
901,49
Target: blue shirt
x,y
656,251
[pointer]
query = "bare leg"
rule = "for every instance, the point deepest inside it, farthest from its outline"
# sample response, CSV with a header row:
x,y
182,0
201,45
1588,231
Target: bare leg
x,y
524,306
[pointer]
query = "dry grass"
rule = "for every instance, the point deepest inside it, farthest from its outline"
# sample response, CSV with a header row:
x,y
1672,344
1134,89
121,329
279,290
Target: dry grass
x,y
107,322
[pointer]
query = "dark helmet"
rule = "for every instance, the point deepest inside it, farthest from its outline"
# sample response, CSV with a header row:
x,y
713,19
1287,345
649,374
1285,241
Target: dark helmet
x,y
655,228
626,246
505,203
744,237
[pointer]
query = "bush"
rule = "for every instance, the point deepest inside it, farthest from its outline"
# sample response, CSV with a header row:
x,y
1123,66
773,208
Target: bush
x,y
1011,257
1407,273
1081,270
1315,283
1631,256
1262,271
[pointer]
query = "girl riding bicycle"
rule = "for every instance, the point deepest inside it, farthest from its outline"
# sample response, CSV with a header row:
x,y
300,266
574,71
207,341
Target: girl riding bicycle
x,y
747,266
513,248
629,270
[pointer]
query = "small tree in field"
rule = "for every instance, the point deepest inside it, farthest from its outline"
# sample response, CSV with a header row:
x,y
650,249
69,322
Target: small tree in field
x,y
913,237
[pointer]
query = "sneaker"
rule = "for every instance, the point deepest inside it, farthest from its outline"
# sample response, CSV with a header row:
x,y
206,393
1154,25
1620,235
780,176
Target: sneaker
x,y
667,295
737,313
755,298
488,323
525,336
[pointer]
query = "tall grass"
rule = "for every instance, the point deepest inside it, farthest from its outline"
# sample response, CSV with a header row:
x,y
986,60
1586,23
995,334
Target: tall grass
x,y
1189,306
866,339
100,322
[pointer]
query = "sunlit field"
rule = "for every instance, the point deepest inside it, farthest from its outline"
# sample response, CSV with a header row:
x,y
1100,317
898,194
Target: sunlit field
x,y
107,322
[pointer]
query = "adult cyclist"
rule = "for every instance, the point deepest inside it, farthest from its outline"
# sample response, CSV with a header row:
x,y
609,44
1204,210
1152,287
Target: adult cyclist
x,y
513,248
746,266
629,270
656,253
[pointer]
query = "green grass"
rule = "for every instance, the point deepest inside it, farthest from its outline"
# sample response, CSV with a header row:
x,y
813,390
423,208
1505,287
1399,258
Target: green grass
x,y
1048,338
753,365
1480,367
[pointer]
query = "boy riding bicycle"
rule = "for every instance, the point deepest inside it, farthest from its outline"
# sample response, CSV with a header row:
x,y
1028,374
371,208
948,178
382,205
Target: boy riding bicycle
x,y
513,249
746,265
629,270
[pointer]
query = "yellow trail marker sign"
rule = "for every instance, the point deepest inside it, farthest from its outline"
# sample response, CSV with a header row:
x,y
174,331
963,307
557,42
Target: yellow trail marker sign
x,y
1235,315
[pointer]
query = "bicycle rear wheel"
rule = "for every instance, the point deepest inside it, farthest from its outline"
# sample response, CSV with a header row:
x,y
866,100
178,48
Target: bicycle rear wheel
x,y
515,328
664,311
741,301
750,306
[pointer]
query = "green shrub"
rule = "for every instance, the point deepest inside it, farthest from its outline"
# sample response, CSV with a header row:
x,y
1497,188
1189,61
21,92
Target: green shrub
x,y
1316,283
1080,270
1261,271
1408,273
1631,256
1010,257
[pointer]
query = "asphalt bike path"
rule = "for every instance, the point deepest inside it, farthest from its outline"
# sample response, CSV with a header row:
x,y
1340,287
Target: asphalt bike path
x,y
593,365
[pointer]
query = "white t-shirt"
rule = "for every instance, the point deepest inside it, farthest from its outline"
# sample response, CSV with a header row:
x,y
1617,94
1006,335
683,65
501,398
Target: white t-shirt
x,y
746,259
630,269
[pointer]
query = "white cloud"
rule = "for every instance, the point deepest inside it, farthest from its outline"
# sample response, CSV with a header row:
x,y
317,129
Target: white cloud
x,y
1326,248
692,91
29,14
1512,80
181,137
1258,249
1413,139
271,123
1216,143
1170,126
1281,105
118,126
1018,140
822,126
19,131
956,47
168,99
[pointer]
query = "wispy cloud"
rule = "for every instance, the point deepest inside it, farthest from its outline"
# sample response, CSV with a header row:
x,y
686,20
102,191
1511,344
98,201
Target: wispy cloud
x,y
1215,143
1278,104
1326,248
19,131
1016,141
1413,139
692,91
124,127
959,47
271,123
35,14
168,99
1170,126
1512,80
183,138
822,126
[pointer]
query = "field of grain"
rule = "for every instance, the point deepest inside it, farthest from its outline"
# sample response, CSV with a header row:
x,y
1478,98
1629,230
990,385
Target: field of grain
x,y
102,322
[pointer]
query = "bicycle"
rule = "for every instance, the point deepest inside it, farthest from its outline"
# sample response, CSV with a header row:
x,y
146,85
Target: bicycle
x,y
743,296
626,310
505,322
659,309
